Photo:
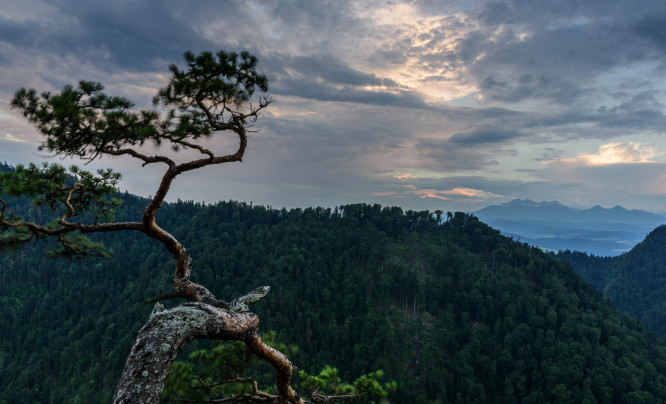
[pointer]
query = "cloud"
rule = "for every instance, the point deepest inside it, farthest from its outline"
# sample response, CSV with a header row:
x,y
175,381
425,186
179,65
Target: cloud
x,y
486,134
652,28
331,69
11,138
531,50
447,157
459,195
322,91
640,186
463,101
642,101
473,150
613,153
429,193
108,34
455,193
327,78
530,85
464,192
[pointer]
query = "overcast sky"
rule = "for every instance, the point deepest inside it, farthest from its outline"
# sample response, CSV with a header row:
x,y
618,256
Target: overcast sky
x,y
451,105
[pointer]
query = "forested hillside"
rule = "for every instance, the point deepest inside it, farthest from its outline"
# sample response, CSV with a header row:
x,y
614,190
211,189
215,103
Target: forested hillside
x,y
635,281
452,310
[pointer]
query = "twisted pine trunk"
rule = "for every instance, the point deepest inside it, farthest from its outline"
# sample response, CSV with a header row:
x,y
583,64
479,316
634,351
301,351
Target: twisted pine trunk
x,y
164,336
166,333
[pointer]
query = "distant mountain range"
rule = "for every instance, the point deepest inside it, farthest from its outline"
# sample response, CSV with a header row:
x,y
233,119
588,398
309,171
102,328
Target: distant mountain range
x,y
554,226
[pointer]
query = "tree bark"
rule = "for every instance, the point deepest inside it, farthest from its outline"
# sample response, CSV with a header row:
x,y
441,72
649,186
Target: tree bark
x,y
164,336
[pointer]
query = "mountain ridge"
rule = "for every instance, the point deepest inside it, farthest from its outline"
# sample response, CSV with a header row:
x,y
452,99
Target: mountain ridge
x,y
532,209
554,226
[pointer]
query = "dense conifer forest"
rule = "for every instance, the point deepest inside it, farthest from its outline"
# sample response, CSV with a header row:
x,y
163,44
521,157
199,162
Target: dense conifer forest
x,y
446,306
635,281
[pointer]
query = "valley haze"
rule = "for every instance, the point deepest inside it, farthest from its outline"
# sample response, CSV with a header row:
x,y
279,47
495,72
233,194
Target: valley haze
x,y
556,227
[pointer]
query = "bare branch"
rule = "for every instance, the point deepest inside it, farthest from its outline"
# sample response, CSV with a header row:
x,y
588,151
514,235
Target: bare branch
x,y
162,296
254,112
211,118
68,204
146,159
283,367
324,399
35,228
256,396
200,148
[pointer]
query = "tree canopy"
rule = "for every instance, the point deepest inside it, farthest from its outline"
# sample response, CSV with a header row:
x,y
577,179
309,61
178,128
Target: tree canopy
x,y
214,94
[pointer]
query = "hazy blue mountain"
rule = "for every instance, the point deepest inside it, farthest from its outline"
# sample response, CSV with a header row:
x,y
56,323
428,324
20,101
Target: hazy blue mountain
x,y
554,226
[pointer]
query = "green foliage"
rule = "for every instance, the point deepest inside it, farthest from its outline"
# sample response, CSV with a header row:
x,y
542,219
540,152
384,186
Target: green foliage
x,y
78,246
82,121
64,195
52,186
11,238
44,185
227,369
94,193
367,388
211,94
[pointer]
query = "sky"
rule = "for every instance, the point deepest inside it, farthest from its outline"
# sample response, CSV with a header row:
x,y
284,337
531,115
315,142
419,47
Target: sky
x,y
450,105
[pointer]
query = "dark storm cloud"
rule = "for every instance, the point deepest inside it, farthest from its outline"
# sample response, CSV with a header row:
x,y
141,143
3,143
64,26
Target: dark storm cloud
x,y
330,69
527,50
653,27
110,35
553,14
531,86
444,155
147,35
322,91
311,18
16,32
643,101
327,78
578,125
488,134
642,111
644,119
137,34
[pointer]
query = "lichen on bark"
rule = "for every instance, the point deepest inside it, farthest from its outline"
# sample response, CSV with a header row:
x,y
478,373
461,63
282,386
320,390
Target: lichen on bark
x,y
164,336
